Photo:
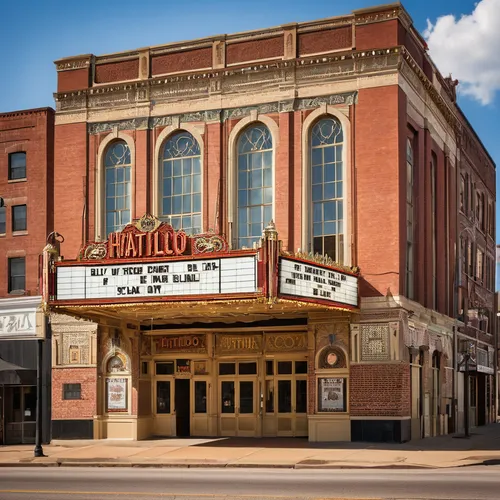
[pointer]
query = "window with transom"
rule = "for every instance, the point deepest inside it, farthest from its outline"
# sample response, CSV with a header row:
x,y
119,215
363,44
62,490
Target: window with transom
x,y
117,172
255,183
327,188
181,183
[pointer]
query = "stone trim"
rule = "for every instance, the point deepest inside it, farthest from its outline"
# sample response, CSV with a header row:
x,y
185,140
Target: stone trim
x,y
218,115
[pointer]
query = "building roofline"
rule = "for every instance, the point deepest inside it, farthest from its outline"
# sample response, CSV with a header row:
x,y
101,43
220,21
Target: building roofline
x,y
30,111
234,36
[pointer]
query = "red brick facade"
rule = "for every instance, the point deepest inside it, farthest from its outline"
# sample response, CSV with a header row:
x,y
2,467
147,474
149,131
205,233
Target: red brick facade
x,y
405,307
29,131
81,409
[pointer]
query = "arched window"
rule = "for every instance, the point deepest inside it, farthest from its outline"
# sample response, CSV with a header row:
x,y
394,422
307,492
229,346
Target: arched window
x,y
180,177
117,167
327,189
255,183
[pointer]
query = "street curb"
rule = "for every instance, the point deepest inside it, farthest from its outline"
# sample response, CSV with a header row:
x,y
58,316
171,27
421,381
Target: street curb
x,y
153,465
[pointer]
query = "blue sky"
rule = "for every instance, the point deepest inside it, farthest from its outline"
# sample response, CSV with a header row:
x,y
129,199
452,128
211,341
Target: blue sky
x,y
35,33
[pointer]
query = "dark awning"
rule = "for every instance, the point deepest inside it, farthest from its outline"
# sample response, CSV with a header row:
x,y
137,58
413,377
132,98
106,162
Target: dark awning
x,y
11,374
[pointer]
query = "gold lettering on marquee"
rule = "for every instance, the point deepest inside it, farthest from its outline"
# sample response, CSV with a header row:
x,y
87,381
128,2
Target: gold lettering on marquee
x,y
288,342
230,343
181,343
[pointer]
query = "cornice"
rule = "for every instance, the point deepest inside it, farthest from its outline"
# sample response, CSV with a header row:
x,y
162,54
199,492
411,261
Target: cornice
x,y
441,104
235,71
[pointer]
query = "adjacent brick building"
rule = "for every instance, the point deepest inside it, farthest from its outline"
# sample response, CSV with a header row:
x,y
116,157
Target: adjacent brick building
x,y
344,133
26,188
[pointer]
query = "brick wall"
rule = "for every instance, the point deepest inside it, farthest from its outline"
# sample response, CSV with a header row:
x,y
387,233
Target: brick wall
x,y
117,72
76,408
377,165
182,61
380,390
26,131
70,185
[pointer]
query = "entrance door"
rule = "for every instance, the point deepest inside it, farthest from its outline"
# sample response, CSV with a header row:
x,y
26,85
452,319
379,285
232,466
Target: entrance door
x,y
238,412
238,415
182,407
20,415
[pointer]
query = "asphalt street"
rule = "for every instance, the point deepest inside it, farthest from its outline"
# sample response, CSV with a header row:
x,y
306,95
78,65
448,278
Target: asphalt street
x,y
87,483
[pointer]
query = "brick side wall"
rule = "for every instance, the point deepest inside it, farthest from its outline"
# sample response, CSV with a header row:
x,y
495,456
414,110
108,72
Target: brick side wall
x,y
324,41
75,408
182,61
268,48
26,132
380,390
117,72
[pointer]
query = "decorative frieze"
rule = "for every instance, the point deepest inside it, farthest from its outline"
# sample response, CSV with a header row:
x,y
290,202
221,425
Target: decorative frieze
x,y
74,64
212,115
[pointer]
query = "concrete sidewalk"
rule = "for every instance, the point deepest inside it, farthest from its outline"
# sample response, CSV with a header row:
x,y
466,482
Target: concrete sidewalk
x,y
483,447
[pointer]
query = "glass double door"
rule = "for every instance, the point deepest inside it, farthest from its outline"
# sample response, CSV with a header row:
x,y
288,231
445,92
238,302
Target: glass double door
x,y
238,407
237,398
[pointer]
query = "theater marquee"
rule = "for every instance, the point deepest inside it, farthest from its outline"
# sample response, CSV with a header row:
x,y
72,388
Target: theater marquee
x,y
226,275
301,279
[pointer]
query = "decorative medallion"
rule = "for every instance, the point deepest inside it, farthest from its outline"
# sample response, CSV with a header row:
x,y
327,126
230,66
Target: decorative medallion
x,y
332,357
208,243
96,251
148,223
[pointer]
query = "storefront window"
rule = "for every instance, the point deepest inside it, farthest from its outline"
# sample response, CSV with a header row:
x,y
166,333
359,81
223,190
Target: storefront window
x,y
200,397
162,396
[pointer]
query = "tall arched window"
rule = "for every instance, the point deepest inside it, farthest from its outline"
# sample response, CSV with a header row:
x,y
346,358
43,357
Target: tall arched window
x,y
255,183
117,171
327,189
180,178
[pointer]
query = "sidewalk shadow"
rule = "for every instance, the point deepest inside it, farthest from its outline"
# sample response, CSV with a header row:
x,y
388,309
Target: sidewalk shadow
x,y
482,438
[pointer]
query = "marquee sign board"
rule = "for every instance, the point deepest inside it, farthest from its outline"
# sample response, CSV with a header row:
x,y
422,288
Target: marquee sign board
x,y
211,277
301,279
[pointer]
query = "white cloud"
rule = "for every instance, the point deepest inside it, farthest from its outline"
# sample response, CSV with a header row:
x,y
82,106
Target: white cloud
x,y
469,49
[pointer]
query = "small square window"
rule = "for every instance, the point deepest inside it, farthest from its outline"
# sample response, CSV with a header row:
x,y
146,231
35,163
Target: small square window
x,y
3,219
17,166
72,391
19,218
17,274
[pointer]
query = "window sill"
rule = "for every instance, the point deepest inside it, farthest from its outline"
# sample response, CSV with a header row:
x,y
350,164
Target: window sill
x,y
19,233
15,181
3,235
17,293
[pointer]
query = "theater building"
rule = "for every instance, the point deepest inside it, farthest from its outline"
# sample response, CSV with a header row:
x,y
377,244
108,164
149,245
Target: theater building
x,y
269,236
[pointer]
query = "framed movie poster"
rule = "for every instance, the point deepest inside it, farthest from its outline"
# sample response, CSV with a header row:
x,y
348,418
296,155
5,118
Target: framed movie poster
x,y
117,394
332,394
